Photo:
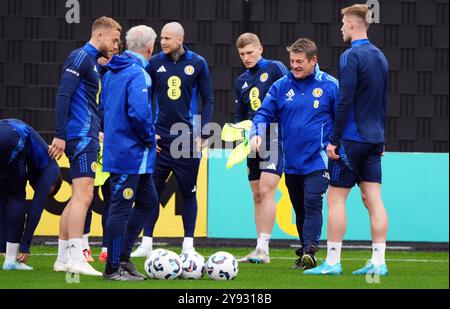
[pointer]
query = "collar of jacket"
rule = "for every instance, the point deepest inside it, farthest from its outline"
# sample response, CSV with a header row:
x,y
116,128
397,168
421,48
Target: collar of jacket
x,y
360,42
261,63
305,81
144,62
187,54
91,50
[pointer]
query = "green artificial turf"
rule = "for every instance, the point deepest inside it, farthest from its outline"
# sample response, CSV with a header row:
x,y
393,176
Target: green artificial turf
x,y
407,270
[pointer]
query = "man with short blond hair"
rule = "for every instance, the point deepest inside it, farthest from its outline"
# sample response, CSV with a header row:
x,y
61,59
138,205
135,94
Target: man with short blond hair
x,y
106,23
77,134
361,12
357,142
247,39
265,167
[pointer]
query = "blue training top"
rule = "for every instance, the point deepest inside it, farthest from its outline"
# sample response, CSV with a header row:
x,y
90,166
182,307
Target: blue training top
x,y
41,170
78,96
251,87
363,96
305,109
129,144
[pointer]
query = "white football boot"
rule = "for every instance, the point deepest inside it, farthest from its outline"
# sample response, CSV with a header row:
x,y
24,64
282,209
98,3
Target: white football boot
x,y
82,268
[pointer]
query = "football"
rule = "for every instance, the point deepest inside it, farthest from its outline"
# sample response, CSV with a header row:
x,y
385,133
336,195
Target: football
x,y
164,264
149,261
193,265
222,266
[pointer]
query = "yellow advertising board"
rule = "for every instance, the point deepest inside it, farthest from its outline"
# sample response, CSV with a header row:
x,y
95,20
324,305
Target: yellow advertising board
x,y
170,223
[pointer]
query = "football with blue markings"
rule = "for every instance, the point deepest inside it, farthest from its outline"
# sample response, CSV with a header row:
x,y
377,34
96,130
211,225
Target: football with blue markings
x,y
150,259
222,266
165,265
193,265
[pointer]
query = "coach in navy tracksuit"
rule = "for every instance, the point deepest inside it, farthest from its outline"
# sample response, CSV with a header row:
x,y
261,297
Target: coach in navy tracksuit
x,y
23,156
129,150
179,75
304,102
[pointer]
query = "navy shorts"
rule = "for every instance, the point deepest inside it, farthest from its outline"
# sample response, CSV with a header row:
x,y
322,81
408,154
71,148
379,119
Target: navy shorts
x,y
82,154
358,162
270,161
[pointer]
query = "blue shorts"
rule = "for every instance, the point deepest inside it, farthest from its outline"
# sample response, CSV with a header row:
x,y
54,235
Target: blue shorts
x,y
358,162
270,161
82,154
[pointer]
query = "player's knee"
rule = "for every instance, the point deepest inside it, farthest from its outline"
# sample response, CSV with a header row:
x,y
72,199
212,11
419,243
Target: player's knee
x,y
266,191
88,196
365,199
83,191
331,200
335,201
257,199
372,202
84,198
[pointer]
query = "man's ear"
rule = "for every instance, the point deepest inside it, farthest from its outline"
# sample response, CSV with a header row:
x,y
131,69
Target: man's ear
x,y
98,35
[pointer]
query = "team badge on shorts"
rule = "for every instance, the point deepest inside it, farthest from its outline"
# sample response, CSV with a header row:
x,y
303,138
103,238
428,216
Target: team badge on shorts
x,y
264,77
317,92
128,193
189,70
94,166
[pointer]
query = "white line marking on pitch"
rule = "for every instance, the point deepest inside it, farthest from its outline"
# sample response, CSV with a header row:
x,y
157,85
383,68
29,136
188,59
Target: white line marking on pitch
x,y
293,258
390,260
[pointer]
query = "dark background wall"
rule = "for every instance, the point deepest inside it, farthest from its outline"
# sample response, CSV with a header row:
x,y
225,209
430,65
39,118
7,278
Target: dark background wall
x,y
35,40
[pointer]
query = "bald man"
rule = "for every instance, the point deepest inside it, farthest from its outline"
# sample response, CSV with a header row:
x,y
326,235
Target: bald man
x,y
178,75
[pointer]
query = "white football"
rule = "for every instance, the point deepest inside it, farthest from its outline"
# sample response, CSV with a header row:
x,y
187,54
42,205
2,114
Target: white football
x,y
222,266
193,265
164,264
149,261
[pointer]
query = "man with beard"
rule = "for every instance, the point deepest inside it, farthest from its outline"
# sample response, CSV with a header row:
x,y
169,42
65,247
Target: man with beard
x,y
77,134
178,75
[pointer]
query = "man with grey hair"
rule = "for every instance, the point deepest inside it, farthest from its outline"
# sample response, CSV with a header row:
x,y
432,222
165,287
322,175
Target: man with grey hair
x,y
179,75
129,150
